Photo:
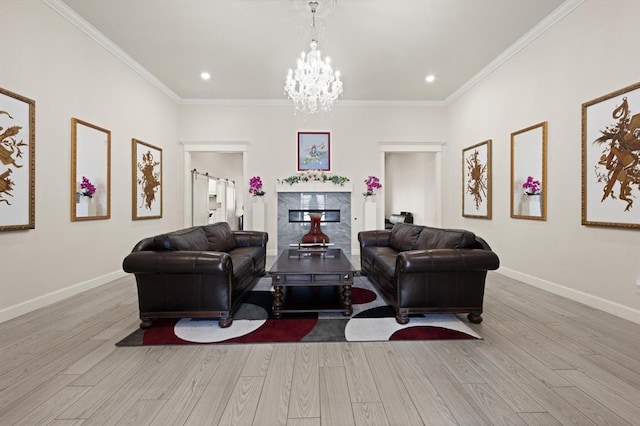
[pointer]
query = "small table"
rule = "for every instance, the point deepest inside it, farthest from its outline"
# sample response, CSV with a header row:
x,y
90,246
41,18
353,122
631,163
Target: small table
x,y
312,282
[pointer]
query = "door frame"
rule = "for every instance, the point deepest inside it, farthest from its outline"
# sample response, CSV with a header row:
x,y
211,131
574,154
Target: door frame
x,y
215,147
409,147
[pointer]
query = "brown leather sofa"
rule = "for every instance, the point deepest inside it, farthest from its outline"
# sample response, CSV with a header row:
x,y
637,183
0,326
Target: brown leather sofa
x,y
199,272
424,270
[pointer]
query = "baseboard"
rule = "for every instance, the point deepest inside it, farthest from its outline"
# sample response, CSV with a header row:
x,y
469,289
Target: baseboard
x,y
41,301
596,302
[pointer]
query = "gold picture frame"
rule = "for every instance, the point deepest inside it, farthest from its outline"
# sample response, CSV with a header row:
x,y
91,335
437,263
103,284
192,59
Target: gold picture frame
x,y
611,159
17,161
90,171
476,181
146,161
529,173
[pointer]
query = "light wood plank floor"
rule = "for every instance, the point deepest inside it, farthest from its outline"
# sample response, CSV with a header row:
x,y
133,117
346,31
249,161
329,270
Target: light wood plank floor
x,y
544,360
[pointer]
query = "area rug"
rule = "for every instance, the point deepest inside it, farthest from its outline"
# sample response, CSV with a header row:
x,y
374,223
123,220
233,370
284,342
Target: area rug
x,y
372,320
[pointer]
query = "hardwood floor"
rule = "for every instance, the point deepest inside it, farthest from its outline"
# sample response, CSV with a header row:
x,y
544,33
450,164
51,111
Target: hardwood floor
x,y
544,360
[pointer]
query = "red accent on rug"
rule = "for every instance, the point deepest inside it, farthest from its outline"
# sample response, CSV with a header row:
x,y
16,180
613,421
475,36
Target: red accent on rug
x,y
273,330
278,330
429,333
162,334
360,296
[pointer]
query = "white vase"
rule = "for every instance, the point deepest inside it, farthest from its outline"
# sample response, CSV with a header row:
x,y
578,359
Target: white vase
x,y
532,205
370,215
259,214
369,199
86,206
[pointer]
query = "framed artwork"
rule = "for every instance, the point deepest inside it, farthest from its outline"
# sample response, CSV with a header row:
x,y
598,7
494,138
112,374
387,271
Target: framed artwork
x,y
314,151
90,171
147,180
17,161
476,180
611,159
529,173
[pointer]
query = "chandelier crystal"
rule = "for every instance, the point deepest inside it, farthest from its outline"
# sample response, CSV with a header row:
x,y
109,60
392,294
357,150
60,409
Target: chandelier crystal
x,y
313,86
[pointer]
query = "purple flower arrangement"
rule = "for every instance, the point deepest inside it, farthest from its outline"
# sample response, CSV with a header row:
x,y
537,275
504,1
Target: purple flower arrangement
x,y
255,186
531,186
88,189
372,183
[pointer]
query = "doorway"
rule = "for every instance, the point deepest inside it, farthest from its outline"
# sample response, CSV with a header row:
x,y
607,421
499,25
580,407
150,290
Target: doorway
x,y
226,161
413,182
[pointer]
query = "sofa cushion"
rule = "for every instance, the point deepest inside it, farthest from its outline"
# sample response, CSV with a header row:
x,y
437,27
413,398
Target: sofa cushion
x,y
242,266
404,236
434,238
161,242
385,264
255,253
190,239
371,252
220,237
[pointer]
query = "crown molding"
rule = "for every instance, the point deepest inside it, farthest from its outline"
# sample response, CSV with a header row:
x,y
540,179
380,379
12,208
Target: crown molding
x,y
542,27
287,103
68,13
382,104
234,102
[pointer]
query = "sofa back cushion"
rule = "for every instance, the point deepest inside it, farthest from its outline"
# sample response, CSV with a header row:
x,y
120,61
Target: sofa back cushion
x,y
188,239
404,236
220,237
435,238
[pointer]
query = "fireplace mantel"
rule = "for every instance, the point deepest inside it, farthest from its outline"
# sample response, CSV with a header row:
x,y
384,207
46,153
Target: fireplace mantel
x,y
314,186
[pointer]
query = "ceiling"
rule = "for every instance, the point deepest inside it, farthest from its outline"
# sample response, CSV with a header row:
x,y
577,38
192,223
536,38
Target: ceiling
x,y
384,49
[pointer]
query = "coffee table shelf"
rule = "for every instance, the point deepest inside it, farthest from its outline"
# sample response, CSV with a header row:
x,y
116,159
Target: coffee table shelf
x,y
315,283
312,299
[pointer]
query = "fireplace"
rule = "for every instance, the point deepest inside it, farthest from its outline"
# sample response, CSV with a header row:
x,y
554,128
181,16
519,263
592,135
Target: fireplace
x,y
294,209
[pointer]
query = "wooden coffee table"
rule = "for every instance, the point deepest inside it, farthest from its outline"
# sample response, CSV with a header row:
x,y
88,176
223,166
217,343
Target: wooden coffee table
x,y
312,282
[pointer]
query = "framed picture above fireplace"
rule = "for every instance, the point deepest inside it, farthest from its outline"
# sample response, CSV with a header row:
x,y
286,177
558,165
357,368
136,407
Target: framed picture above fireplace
x,y
314,151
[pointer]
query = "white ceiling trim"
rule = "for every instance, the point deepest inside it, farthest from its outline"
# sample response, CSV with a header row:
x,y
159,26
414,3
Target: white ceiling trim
x,y
287,103
542,27
110,46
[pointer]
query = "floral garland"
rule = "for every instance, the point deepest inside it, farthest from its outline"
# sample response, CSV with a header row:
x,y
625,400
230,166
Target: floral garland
x,y
314,176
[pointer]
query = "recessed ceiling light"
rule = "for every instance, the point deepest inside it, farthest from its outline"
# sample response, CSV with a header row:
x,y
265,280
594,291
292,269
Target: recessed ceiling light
x,y
205,76
430,78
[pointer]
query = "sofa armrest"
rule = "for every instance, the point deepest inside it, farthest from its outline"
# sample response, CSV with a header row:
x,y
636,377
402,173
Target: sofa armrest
x,y
442,260
251,238
178,262
379,238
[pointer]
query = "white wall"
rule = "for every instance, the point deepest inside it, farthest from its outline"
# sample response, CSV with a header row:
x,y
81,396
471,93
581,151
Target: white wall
x,y
68,74
271,132
591,52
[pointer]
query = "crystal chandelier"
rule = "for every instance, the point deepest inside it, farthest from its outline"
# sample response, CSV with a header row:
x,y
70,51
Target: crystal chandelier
x,y
313,87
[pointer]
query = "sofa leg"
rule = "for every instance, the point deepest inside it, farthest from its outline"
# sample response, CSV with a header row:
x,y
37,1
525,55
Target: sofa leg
x,y
475,317
145,323
225,322
402,317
